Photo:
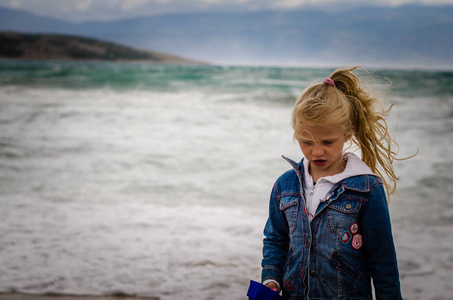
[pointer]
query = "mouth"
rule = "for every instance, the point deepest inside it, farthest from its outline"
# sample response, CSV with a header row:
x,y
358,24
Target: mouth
x,y
319,162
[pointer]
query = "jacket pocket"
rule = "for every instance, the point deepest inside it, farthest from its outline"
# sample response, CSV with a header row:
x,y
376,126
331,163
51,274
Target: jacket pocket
x,y
348,278
345,265
289,205
342,213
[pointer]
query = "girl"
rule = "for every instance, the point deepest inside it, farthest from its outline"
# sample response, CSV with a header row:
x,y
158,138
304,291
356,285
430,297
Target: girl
x,y
328,232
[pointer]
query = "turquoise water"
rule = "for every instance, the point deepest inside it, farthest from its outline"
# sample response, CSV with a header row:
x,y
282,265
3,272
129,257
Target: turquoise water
x,y
120,76
153,180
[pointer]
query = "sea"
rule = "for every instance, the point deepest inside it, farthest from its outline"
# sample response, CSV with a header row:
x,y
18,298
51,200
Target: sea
x,y
150,180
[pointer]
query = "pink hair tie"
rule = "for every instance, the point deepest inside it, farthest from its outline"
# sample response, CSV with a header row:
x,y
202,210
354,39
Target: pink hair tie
x,y
329,81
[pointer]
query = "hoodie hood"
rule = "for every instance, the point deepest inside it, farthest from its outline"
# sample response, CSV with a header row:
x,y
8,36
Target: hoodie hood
x,y
354,166
316,194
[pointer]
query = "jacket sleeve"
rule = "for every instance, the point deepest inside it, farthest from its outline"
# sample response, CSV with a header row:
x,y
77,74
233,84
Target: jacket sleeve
x,y
276,241
379,246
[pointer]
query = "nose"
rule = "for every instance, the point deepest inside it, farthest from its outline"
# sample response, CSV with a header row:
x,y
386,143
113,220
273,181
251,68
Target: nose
x,y
317,151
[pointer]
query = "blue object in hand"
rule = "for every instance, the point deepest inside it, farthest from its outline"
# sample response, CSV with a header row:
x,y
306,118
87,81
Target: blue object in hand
x,y
258,291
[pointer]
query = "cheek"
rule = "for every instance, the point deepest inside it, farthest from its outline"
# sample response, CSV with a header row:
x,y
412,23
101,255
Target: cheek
x,y
337,151
301,145
303,148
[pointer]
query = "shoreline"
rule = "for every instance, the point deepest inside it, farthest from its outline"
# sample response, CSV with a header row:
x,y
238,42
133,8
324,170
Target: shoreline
x,y
24,296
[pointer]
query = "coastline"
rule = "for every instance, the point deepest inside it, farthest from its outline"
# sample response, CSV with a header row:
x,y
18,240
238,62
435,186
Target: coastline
x,y
60,47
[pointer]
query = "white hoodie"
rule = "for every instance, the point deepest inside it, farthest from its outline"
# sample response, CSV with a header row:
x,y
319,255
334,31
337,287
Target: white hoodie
x,y
316,193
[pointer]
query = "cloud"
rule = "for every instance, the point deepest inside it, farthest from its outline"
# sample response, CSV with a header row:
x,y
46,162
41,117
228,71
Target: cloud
x,y
133,4
82,5
15,4
48,7
105,10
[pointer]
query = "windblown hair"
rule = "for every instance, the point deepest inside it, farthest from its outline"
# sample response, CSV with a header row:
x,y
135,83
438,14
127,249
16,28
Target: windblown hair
x,y
350,106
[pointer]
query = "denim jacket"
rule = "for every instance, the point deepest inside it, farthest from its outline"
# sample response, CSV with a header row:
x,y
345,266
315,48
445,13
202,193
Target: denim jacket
x,y
348,242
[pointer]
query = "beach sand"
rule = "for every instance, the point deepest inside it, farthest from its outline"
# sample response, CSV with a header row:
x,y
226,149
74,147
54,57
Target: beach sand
x,y
18,296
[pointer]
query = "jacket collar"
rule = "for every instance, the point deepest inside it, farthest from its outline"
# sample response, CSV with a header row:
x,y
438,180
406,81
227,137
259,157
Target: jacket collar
x,y
357,182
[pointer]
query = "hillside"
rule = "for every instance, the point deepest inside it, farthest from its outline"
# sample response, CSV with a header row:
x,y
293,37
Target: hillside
x,y
64,47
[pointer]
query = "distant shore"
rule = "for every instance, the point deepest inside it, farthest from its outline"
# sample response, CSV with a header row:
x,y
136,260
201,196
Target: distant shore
x,y
20,296
27,46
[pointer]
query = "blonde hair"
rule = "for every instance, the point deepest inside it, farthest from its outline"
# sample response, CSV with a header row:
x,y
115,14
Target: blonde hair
x,y
354,109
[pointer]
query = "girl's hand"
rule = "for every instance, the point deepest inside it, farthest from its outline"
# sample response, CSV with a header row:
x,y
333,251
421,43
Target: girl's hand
x,y
272,286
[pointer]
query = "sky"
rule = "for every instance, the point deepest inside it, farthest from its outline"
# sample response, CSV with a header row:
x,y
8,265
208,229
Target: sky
x,y
107,10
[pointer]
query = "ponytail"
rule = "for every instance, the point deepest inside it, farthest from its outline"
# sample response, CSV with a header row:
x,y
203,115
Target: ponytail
x,y
371,133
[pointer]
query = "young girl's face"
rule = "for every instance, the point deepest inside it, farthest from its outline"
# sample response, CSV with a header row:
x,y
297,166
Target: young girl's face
x,y
322,145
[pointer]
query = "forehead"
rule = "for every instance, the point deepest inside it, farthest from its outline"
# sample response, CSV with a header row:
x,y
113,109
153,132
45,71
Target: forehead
x,y
316,131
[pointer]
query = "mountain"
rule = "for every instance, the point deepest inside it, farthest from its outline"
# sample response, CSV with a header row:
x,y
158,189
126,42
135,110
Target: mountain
x,y
401,36
62,47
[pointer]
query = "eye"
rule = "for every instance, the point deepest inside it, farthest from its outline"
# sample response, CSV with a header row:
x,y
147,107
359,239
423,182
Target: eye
x,y
306,142
328,142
